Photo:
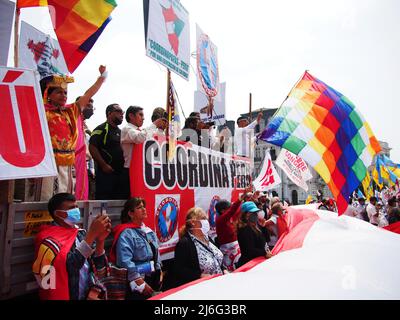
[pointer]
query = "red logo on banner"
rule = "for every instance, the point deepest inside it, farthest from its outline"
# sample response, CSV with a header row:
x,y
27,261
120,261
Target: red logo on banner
x,y
10,149
268,178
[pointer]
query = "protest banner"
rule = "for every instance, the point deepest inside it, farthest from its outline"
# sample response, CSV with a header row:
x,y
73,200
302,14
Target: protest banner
x,y
295,168
38,51
197,177
25,148
217,114
167,34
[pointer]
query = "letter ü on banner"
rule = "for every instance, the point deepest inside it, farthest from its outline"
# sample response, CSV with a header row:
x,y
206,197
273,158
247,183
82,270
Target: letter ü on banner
x,y
25,145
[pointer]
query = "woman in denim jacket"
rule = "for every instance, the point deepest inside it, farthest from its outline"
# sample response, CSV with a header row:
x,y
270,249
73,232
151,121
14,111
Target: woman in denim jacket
x,y
135,248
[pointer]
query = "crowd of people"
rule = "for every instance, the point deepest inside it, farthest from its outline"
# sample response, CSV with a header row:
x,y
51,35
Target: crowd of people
x,y
377,211
95,164
244,231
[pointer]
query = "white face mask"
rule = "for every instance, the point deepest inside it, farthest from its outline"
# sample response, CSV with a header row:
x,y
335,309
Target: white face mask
x,y
261,214
205,227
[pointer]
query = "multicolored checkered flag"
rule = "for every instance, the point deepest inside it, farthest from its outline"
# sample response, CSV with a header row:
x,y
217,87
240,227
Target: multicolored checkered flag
x,y
324,128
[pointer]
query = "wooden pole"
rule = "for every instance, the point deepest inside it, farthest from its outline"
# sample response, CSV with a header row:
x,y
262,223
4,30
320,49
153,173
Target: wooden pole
x,y
250,106
16,37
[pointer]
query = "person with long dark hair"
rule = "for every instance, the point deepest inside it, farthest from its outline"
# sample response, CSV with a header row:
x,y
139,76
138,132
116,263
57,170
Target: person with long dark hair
x,y
253,239
135,248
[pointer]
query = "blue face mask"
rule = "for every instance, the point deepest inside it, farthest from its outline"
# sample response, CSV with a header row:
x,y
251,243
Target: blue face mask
x,y
74,216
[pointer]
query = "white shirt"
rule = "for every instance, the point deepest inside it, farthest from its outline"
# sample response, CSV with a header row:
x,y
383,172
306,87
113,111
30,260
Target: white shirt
x,y
153,130
242,139
371,211
360,209
131,135
351,211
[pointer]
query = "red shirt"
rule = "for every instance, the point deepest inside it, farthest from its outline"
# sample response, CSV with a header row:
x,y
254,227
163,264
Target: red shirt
x,y
226,231
63,128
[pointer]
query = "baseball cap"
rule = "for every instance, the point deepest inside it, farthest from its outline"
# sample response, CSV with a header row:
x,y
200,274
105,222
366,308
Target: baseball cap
x,y
249,206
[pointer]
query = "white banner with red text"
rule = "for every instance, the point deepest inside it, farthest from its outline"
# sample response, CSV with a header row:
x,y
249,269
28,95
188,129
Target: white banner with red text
x,y
295,168
25,145
196,177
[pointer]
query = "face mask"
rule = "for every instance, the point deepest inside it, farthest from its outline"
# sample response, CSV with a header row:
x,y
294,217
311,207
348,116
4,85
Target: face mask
x,y
261,214
73,216
205,227
87,113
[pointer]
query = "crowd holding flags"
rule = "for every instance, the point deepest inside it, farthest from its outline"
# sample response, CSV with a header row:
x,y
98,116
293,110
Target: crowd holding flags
x,y
316,123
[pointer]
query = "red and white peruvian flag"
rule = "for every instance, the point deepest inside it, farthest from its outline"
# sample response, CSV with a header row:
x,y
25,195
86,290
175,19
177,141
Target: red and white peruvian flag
x,y
322,256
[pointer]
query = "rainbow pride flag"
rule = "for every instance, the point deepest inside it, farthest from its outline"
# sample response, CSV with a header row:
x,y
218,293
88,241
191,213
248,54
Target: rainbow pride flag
x,y
324,128
77,23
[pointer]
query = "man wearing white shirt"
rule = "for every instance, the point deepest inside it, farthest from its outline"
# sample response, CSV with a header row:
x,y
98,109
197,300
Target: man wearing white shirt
x,y
133,134
157,128
244,135
373,214
360,209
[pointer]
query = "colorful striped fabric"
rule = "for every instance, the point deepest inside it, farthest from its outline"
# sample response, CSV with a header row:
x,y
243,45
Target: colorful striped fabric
x,y
31,3
174,121
323,127
78,24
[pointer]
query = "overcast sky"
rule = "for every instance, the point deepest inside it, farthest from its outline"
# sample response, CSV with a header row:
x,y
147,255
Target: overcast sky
x,y
263,47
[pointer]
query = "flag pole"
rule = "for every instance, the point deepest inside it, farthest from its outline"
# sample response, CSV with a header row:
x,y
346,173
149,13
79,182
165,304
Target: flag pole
x,y
294,86
167,133
250,106
16,36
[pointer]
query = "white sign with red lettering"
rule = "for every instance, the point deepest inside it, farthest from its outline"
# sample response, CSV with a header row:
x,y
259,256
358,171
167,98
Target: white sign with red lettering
x,y
295,168
268,177
25,145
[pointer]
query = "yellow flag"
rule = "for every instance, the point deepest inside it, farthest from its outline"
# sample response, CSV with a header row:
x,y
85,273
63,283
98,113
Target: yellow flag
x,y
375,175
366,183
309,199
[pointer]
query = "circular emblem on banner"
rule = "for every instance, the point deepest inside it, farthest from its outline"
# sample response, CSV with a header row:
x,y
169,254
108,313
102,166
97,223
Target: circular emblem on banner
x,y
212,213
166,218
207,66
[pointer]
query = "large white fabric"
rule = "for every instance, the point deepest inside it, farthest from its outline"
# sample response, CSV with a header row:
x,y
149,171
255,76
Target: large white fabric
x,y
340,258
